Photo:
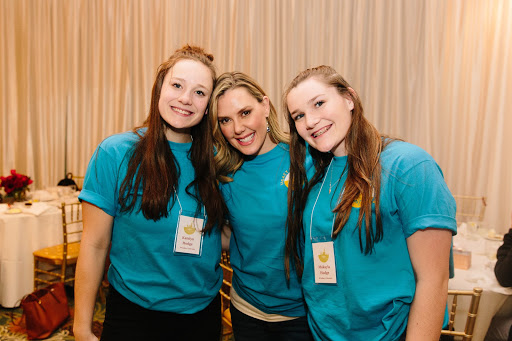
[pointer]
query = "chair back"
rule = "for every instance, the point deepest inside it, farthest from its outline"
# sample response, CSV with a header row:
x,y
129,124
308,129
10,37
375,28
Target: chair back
x,y
72,228
79,180
470,208
225,295
57,262
475,295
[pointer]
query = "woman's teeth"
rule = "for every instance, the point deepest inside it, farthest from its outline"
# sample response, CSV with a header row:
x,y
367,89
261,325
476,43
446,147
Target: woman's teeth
x,y
321,131
246,139
183,112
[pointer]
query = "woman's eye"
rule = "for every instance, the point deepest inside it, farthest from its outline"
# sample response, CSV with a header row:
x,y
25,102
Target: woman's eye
x,y
224,120
298,117
177,85
200,93
319,103
245,113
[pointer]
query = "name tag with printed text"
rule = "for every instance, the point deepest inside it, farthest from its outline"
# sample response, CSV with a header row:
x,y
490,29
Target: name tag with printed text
x,y
189,235
324,262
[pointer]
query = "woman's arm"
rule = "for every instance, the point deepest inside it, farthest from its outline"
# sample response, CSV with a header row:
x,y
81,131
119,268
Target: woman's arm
x,y
90,266
430,252
225,236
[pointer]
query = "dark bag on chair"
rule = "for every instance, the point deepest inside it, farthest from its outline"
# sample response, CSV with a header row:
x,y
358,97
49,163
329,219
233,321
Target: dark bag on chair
x,y
45,310
67,181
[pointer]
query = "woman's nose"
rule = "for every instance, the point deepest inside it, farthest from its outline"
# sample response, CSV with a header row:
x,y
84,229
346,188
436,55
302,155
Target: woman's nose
x,y
184,98
238,126
311,120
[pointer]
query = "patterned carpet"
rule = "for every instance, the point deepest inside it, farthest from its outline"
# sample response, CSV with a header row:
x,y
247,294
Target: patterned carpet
x,y
10,330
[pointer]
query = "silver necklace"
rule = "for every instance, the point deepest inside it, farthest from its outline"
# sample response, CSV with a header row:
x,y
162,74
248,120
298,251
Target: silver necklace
x,y
330,181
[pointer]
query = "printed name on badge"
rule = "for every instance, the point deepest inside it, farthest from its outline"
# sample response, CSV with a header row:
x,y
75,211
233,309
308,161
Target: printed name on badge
x,y
189,237
323,260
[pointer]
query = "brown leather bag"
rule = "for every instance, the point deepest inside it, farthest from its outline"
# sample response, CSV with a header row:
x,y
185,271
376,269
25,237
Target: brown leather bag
x,y
45,310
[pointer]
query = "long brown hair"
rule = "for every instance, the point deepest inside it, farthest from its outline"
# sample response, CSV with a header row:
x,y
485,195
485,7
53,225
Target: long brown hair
x,y
228,159
364,145
152,165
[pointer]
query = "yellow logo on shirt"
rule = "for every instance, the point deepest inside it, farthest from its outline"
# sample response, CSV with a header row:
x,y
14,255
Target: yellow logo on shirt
x,y
324,257
285,178
358,201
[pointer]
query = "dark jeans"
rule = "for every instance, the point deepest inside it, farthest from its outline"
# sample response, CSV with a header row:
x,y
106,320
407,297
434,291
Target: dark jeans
x,y
246,328
127,321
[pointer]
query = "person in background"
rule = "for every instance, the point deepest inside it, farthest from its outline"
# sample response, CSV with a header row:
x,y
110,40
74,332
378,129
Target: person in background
x,y
371,230
152,195
252,160
500,328
503,268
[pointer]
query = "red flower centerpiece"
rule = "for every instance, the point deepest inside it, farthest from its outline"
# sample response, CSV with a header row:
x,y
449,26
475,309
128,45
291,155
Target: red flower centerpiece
x,y
15,185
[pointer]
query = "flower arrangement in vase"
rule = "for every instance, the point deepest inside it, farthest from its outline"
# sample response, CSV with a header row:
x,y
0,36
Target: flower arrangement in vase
x,y
15,185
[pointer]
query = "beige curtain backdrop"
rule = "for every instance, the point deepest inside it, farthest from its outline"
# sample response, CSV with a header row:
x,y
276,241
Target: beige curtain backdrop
x,y
436,73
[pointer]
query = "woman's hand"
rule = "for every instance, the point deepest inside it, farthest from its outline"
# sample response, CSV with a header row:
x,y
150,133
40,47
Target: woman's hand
x,y
87,336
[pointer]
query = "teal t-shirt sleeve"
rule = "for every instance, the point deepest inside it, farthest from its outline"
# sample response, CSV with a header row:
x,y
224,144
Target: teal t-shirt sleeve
x,y
100,183
423,199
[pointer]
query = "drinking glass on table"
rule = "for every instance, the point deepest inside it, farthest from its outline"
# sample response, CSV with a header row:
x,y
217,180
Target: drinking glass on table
x,y
472,227
483,229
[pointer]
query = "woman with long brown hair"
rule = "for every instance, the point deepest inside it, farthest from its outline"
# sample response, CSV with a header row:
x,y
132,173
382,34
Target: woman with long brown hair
x,y
370,231
151,194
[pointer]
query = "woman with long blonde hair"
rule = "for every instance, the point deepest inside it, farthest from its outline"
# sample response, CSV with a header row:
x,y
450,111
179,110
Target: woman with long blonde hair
x,y
252,163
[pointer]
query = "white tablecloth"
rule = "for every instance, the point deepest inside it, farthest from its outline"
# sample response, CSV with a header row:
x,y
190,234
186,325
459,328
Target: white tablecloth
x,y
480,274
20,235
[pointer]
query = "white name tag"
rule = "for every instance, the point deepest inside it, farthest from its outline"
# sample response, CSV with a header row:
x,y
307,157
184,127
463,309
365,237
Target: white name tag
x,y
323,260
189,238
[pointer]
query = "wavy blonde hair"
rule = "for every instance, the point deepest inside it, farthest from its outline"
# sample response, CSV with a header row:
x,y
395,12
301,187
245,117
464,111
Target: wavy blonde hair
x,y
228,159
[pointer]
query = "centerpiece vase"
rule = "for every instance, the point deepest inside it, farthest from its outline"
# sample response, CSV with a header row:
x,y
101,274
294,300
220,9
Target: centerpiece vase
x,y
9,200
20,195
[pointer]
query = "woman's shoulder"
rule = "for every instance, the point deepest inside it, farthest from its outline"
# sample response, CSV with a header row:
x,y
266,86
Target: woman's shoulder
x,y
117,146
122,140
403,155
285,146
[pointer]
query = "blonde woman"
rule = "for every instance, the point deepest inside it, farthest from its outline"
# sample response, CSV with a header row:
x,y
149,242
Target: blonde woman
x,y
253,163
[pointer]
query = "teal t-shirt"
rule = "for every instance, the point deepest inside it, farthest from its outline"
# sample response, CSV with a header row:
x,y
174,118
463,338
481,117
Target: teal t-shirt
x,y
257,203
373,293
144,267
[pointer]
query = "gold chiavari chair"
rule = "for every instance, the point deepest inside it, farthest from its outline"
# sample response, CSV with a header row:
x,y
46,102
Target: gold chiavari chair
x,y
79,180
57,263
227,328
467,334
470,208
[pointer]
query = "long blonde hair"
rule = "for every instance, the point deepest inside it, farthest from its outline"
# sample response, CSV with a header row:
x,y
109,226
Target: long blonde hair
x,y
227,159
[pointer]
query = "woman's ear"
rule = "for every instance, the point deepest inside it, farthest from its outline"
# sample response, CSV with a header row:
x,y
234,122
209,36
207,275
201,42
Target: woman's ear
x,y
350,99
266,103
